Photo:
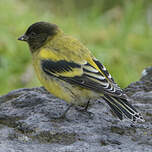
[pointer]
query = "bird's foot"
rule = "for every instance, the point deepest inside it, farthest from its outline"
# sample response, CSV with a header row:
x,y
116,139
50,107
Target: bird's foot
x,y
85,111
63,116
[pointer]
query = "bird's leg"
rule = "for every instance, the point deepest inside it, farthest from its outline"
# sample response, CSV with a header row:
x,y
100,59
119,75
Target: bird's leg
x,y
64,113
87,105
85,109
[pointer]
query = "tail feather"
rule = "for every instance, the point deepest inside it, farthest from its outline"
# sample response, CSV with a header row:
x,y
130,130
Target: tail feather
x,y
115,109
122,107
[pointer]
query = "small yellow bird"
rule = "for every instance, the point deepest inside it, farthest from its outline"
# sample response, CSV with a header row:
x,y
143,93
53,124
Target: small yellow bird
x,y
69,71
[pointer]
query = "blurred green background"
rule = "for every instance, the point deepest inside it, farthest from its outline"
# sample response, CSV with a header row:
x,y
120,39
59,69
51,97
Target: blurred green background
x,y
118,32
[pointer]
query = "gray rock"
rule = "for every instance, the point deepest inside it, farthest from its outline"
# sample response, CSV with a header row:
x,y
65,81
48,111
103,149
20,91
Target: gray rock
x,y
143,85
27,123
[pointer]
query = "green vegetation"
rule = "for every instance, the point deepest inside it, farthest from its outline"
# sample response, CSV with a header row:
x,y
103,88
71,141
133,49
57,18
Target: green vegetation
x,y
118,32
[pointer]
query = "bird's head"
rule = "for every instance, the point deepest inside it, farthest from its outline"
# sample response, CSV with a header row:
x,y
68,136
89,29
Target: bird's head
x,y
37,34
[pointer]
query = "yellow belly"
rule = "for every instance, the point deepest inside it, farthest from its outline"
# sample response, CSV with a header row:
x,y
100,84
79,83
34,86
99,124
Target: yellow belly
x,y
63,90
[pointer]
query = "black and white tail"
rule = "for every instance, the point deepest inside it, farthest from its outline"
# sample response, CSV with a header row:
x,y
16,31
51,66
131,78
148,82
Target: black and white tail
x,y
122,107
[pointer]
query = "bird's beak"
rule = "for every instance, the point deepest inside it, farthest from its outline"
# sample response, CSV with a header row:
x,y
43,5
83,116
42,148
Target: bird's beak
x,y
23,38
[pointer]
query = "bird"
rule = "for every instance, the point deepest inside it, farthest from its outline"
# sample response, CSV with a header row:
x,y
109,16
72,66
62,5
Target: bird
x,y
69,71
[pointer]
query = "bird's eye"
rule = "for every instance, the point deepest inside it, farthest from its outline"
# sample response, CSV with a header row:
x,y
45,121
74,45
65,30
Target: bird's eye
x,y
33,34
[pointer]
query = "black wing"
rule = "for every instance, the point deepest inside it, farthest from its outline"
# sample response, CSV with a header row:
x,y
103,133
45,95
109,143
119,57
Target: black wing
x,y
83,75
